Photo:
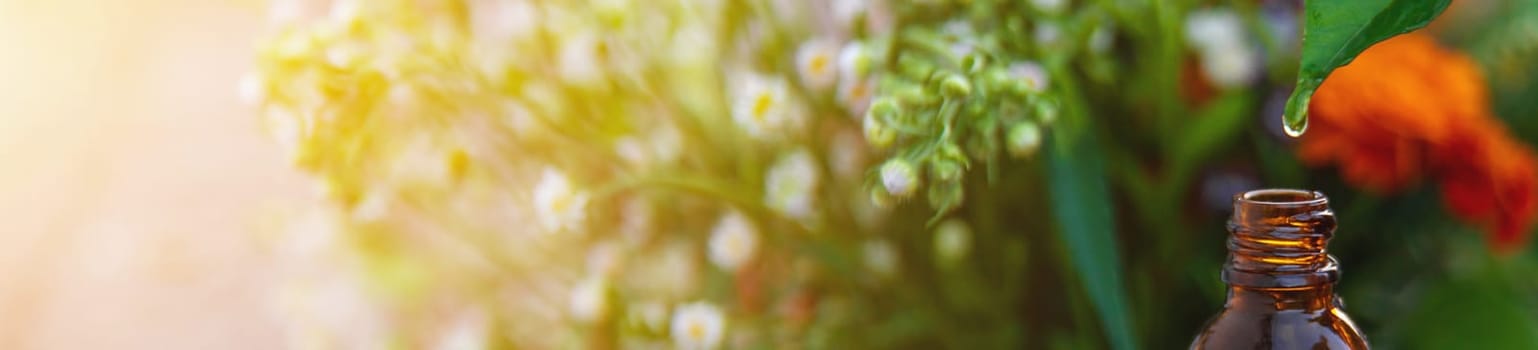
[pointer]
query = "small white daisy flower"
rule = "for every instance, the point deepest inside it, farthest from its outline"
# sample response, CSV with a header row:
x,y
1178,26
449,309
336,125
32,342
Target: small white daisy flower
x,y
817,63
589,300
733,242
762,105
790,187
1031,74
952,241
881,257
698,326
558,205
899,178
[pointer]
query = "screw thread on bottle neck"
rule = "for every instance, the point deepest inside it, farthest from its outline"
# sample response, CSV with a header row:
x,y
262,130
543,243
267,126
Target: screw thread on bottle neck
x,y
1277,239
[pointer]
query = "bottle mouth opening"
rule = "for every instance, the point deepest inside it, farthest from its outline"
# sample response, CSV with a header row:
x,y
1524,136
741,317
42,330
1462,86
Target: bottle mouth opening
x,y
1281,198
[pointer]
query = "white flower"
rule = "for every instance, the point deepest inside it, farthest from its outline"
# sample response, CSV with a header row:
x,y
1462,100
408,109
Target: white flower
x,y
762,105
899,178
881,257
733,242
1218,35
953,240
589,300
1230,67
698,326
1031,74
817,63
581,60
855,94
1213,28
1024,139
790,187
559,206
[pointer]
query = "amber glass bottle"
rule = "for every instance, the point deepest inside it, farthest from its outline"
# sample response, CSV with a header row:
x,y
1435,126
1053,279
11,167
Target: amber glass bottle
x,y
1281,283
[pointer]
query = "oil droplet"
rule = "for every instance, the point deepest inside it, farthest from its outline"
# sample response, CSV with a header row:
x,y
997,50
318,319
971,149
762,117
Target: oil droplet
x,y
1295,117
1295,130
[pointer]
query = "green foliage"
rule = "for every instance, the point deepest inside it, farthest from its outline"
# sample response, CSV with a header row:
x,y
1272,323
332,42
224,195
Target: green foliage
x,y
1082,207
1336,31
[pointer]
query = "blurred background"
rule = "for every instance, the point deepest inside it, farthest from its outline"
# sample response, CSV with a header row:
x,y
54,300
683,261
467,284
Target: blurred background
x,y
468,174
133,177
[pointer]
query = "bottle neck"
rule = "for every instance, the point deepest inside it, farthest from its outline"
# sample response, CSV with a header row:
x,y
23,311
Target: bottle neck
x,y
1307,299
1277,241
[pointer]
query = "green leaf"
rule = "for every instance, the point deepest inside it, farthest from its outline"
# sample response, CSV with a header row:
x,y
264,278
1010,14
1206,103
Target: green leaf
x,y
1336,31
1081,204
1213,129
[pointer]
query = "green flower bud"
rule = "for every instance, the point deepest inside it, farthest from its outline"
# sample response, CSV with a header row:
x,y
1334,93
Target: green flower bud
x,y
914,67
913,97
946,196
878,135
1046,112
883,108
955,86
1024,139
945,170
974,62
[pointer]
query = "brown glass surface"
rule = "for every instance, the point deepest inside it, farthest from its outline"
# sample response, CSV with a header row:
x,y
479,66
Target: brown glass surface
x,y
1281,283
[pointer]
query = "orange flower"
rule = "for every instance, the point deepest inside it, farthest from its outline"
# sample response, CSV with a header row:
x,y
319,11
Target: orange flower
x,y
1407,109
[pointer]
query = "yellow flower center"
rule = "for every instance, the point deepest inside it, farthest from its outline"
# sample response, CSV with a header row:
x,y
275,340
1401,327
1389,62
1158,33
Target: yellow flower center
x,y
697,331
819,64
761,106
